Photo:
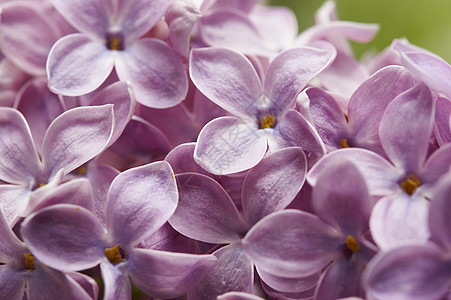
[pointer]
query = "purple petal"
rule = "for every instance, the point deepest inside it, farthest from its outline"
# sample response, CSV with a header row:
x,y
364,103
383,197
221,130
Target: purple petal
x,y
167,275
406,127
290,285
273,183
341,197
238,296
232,29
292,243
228,79
136,17
182,160
155,84
87,16
205,211
78,65
39,107
433,70
442,121
76,136
19,161
144,193
122,96
12,283
13,201
381,177
26,36
400,219
370,100
228,145
439,220
87,283
296,131
65,237
10,245
436,165
290,72
232,272
410,273
117,284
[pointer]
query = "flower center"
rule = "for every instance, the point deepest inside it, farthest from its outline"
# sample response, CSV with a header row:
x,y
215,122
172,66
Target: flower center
x,y
268,122
115,255
410,184
29,260
115,41
352,244
344,143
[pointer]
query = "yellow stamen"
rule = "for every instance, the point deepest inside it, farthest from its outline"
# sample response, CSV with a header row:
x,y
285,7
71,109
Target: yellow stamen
x,y
352,244
114,254
29,260
81,170
410,184
344,143
268,122
41,184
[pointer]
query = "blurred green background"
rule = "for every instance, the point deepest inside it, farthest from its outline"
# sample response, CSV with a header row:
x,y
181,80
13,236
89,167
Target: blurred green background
x,y
424,23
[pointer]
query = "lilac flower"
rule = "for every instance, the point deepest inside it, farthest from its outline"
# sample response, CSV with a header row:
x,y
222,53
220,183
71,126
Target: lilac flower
x,y
139,201
110,32
207,213
21,273
262,112
72,139
295,244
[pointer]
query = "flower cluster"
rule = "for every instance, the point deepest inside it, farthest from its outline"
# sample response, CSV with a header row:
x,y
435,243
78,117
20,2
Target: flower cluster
x,y
207,150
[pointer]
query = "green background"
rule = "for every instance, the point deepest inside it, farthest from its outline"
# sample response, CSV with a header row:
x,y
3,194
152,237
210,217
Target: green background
x,y
424,23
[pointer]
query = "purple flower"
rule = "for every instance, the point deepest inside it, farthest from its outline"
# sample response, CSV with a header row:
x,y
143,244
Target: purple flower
x,y
110,31
139,201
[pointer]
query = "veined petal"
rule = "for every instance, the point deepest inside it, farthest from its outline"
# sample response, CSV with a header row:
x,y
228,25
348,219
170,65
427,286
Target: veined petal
x,y
10,245
140,200
181,159
406,127
12,283
229,145
439,221
238,296
88,284
13,201
400,219
408,273
273,183
26,36
77,65
76,136
136,17
117,284
205,211
156,73
292,243
232,272
87,16
19,161
165,274
442,128
65,237
228,79
290,285
290,72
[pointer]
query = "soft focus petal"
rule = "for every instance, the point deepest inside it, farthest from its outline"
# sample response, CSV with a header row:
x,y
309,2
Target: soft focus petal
x,y
87,16
26,36
408,273
238,296
140,201
156,73
228,79
117,284
12,283
77,136
291,243
400,219
406,127
341,197
205,211
437,164
85,282
290,72
13,201
228,145
19,161
10,245
232,272
289,285
273,183
381,177
439,220
167,275
64,237
442,121
78,65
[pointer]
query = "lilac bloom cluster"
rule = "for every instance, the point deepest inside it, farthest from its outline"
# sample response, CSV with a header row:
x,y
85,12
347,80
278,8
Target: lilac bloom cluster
x,y
204,149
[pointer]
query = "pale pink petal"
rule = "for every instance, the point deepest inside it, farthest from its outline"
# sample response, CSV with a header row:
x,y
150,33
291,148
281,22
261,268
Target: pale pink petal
x,y
116,282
